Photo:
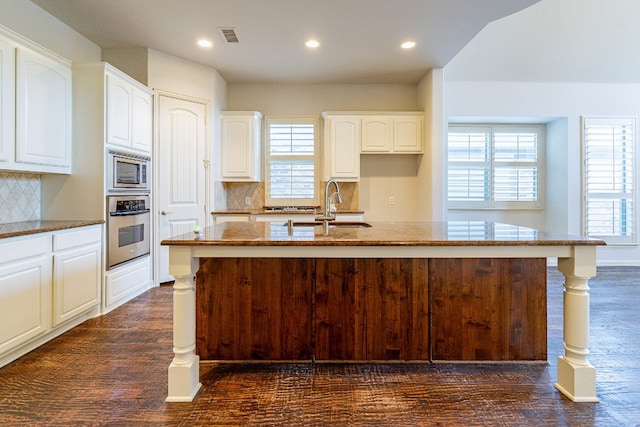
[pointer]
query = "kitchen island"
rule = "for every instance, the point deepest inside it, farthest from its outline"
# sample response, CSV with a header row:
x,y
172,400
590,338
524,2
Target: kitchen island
x,y
400,272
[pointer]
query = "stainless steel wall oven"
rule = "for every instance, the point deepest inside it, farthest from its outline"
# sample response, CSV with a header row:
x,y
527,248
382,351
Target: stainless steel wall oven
x,y
128,228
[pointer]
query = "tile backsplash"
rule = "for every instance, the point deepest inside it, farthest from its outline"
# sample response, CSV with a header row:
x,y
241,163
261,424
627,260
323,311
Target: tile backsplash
x,y
237,192
20,197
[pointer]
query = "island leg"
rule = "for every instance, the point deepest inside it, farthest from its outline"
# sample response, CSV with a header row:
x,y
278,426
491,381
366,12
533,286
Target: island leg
x,y
576,376
184,371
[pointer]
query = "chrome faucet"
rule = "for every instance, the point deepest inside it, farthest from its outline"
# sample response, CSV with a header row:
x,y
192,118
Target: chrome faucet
x,y
328,215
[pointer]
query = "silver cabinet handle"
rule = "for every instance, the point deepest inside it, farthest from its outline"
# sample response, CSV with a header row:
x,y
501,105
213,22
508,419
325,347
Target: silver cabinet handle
x,y
163,212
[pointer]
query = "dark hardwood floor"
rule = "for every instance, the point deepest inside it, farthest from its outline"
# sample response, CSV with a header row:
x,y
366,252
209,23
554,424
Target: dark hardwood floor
x,y
113,371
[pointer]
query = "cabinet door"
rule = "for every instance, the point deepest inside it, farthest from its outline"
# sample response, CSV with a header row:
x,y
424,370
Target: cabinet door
x,y
371,309
240,149
407,134
119,104
342,150
76,281
142,113
254,308
43,110
25,298
7,102
376,134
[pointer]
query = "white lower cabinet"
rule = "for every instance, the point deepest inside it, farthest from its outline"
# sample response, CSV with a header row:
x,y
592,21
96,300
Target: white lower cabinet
x,y
218,219
49,283
353,217
77,272
126,282
284,217
25,291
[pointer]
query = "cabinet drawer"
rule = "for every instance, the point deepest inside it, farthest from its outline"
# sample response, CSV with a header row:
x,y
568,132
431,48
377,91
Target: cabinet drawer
x,y
71,239
20,248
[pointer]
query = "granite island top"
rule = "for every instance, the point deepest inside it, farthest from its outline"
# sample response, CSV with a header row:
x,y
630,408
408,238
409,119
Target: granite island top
x,y
267,211
451,233
23,228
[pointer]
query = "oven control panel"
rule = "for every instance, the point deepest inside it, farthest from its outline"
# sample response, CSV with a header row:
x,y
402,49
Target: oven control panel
x,y
128,206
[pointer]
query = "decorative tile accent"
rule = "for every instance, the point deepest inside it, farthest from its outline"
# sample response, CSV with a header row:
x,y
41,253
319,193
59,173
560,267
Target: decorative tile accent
x,y
20,197
238,191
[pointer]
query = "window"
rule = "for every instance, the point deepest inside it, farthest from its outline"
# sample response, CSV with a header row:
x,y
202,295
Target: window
x,y
291,161
609,147
495,166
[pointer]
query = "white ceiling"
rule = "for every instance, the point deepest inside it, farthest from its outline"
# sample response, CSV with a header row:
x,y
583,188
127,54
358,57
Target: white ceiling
x,y
359,39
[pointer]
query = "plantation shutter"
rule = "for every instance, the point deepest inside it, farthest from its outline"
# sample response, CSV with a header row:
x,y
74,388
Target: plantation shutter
x,y
609,146
291,163
494,167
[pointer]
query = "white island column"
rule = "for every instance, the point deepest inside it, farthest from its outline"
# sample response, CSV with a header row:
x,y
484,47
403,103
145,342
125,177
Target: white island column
x,y
184,371
576,376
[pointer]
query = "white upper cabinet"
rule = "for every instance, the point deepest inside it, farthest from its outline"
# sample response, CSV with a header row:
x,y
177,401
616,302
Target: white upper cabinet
x,y
43,111
119,111
240,147
129,112
35,107
377,134
7,101
142,120
392,133
342,147
407,134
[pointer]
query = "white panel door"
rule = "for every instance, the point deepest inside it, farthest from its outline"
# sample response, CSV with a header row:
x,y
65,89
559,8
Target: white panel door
x,y
180,171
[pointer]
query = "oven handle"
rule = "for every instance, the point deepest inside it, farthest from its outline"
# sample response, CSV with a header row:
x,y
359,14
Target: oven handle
x,y
127,213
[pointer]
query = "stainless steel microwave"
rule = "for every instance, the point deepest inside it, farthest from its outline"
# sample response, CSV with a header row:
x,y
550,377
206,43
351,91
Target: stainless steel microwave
x,y
127,172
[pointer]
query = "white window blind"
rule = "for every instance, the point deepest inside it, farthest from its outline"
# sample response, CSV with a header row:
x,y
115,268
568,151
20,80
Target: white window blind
x,y
609,151
291,162
494,166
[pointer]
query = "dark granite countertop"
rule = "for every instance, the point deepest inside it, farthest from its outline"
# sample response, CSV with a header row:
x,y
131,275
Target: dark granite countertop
x,y
451,233
15,229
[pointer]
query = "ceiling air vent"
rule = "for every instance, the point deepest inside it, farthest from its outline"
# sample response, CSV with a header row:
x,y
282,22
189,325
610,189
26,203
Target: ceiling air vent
x,y
229,35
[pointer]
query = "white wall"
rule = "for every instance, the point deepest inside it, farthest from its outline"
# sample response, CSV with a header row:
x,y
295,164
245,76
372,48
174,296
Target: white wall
x,y
171,74
381,175
499,76
34,23
431,182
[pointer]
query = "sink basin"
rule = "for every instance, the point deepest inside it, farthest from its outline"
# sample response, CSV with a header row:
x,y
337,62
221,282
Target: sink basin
x,y
338,224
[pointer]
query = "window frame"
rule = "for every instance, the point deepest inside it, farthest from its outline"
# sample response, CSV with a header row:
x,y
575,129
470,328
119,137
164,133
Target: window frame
x,y
491,204
613,239
290,120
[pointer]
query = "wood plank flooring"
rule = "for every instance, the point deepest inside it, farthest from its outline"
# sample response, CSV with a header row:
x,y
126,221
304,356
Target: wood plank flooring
x,y
113,371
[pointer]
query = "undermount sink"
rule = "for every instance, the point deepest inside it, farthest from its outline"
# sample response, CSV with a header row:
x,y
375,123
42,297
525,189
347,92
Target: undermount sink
x,y
340,224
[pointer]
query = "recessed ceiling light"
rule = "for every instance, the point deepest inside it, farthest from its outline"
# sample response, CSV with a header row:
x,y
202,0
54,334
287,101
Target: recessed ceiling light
x,y
204,43
312,43
408,45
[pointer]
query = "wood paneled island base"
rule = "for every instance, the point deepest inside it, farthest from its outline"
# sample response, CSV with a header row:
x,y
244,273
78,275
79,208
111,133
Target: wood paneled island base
x,y
371,309
393,291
